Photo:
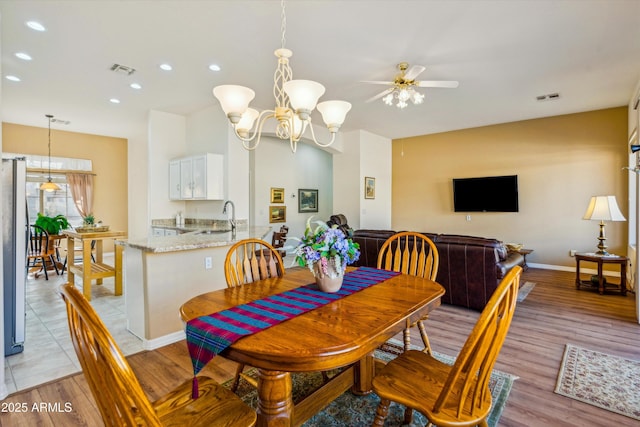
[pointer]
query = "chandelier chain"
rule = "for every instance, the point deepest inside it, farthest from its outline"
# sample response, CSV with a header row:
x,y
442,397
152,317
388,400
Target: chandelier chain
x,y
283,25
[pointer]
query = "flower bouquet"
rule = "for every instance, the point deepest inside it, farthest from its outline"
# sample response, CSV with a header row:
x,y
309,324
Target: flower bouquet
x,y
326,251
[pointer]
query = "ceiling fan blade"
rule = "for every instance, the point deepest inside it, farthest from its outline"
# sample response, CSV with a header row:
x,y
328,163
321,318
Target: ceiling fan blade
x,y
438,83
380,95
377,82
413,72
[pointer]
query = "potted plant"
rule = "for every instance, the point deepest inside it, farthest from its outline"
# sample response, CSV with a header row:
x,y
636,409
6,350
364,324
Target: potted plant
x,y
52,225
89,220
326,251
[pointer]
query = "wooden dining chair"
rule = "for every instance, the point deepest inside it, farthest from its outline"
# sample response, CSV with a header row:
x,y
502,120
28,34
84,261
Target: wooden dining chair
x,y
120,398
416,255
455,395
248,261
40,251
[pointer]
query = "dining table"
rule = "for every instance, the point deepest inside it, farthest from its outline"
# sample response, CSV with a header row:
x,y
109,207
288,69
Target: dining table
x,y
343,333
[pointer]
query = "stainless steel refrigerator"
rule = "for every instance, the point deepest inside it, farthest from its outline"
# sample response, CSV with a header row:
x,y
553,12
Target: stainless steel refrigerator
x,y
14,252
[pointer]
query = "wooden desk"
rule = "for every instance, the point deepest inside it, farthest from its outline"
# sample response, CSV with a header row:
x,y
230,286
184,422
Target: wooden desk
x,y
97,270
600,260
343,333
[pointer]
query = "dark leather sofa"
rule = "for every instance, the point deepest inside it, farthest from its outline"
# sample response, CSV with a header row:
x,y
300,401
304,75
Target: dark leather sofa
x,y
470,267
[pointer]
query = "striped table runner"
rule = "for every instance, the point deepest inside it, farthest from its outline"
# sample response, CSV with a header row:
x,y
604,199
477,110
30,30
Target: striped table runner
x,y
208,335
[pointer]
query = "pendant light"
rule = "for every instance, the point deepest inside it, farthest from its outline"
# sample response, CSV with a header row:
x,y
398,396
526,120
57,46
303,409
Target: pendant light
x,y
49,186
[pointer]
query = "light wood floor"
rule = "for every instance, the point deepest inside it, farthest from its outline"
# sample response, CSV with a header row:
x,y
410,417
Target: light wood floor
x,y
554,314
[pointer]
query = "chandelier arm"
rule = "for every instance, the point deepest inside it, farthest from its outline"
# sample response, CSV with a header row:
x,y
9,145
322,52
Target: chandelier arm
x,y
262,117
313,136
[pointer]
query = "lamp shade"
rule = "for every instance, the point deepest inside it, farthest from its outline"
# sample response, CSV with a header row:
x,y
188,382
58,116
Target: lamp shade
x,y
604,208
334,112
234,99
303,94
248,117
49,186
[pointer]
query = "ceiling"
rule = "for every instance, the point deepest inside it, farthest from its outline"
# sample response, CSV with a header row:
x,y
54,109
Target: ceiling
x,y
503,53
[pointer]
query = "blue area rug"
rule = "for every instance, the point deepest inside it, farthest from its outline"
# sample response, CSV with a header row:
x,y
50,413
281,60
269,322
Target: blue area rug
x,y
358,411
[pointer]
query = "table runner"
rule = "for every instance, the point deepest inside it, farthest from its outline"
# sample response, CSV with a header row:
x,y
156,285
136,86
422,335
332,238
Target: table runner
x,y
209,335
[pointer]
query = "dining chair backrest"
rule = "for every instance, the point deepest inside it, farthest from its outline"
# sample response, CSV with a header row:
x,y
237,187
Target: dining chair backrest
x,y
470,374
410,253
38,241
113,383
250,260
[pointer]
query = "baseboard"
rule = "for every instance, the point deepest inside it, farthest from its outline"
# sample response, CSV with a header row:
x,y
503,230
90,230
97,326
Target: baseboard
x,y
609,273
163,340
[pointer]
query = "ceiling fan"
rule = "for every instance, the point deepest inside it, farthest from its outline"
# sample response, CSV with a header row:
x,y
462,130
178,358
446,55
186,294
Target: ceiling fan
x,y
403,86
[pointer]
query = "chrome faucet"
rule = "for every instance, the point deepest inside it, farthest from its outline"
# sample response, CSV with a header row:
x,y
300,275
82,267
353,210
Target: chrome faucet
x,y
232,221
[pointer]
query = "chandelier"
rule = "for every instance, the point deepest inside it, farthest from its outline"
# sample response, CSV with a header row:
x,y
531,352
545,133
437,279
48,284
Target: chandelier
x,y
295,101
49,186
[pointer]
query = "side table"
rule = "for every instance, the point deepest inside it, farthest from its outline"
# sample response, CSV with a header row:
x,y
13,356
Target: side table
x,y
524,253
600,260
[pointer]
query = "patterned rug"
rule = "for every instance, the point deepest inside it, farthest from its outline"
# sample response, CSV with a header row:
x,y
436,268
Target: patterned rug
x,y
524,290
602,380
358,411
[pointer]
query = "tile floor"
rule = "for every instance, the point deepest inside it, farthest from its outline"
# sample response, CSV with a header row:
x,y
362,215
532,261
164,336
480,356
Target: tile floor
x,y
48,352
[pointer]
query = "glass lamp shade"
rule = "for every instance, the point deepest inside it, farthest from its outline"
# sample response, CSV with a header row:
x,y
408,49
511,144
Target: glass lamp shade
x,y
334,112
234,99
49,186
303,94
247,119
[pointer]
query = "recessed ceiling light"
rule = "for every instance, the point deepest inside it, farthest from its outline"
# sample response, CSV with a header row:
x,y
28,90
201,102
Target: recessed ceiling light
x,y
166,67
114,101
34,25
214,67
135,86
24,56
13,78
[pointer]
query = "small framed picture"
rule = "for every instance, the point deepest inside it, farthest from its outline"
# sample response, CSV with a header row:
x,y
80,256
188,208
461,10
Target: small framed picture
x,y
307,200
369,187
277,195
277,213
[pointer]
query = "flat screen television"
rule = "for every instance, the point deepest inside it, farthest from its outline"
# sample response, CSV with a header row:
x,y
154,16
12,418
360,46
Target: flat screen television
x,y
486,194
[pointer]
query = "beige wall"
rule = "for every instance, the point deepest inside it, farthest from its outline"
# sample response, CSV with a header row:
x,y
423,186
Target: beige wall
x,y
560,161
108,154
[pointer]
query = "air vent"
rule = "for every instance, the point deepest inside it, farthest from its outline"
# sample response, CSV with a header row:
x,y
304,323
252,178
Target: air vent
x,y
122,69
62,122
548,97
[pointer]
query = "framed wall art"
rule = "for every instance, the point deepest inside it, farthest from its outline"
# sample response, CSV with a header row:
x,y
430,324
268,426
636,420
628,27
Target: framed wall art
x,y
277,195
307,200
369,187
277,214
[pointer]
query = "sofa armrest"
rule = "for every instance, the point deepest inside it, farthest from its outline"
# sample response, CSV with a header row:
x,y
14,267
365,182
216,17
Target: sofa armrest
x,y
513,259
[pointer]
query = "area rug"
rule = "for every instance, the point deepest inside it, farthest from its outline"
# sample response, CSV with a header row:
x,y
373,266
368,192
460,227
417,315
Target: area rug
x,y
524,290
358,411
602,380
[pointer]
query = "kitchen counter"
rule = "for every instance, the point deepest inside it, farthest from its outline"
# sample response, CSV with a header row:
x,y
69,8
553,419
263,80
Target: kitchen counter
x,y
162,272
195,238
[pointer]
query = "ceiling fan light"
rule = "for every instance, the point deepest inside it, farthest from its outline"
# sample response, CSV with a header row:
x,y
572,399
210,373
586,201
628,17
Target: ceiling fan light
x,y
303,94
234,100
404,95
402,104
334,113
418,98
388,99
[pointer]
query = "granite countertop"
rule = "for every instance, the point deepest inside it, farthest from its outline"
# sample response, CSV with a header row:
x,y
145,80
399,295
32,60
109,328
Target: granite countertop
x,y
197,238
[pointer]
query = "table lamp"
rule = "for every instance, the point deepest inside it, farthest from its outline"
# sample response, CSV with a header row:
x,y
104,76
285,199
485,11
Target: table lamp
x,y
603,208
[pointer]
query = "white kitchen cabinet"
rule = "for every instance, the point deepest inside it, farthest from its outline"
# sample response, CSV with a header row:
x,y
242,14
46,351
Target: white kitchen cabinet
x,y
199,177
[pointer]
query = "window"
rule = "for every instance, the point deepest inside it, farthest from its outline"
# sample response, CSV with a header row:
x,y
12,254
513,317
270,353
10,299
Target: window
x,y
51,203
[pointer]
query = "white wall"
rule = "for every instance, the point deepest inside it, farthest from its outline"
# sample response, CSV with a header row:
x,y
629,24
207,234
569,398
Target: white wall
x,y
167,140
276,166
